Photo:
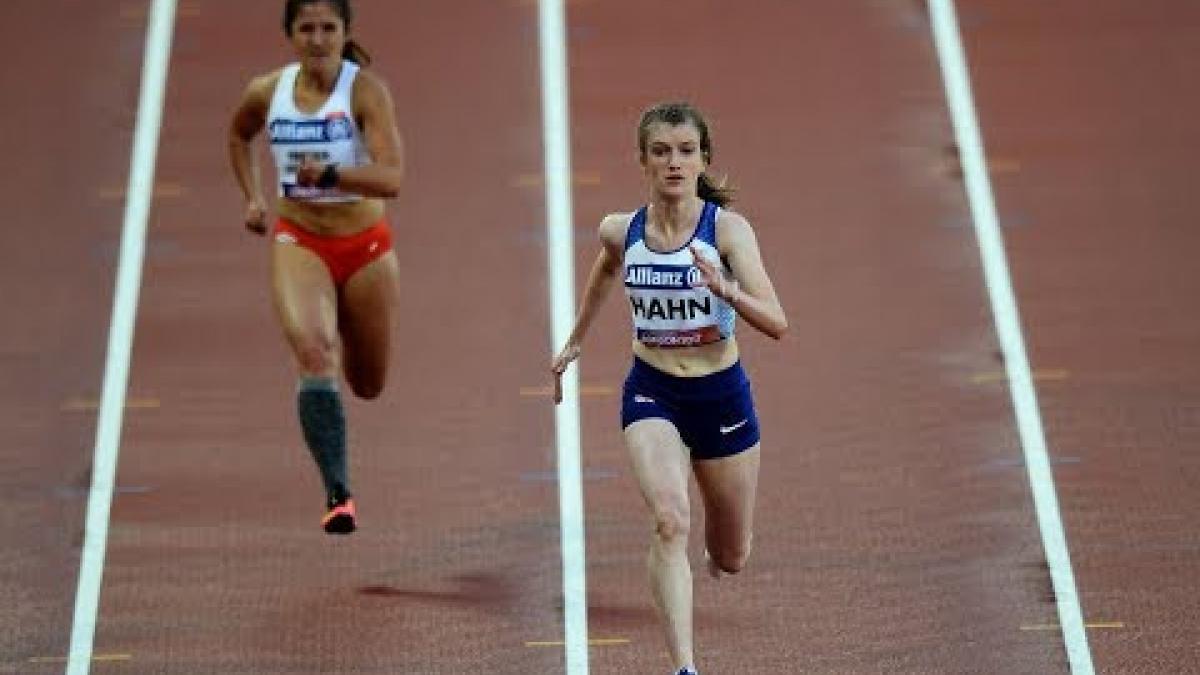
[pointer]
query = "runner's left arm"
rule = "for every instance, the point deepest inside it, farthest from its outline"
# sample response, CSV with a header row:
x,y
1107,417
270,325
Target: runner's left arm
x,y
749,291
375,113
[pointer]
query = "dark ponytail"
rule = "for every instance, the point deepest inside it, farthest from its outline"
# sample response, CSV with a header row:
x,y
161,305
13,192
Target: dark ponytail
x,y
678,113
720,194
352,51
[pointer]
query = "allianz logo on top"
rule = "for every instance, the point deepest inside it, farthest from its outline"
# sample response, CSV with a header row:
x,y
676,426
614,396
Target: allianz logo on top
x,y
680,277
311,131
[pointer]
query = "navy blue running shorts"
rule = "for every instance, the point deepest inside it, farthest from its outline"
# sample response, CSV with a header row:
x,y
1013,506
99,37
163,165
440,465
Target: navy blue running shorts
x,y
713,413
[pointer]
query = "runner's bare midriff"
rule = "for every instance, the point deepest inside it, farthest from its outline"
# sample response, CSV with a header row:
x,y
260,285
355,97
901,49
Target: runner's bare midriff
x,y
690,361
339,219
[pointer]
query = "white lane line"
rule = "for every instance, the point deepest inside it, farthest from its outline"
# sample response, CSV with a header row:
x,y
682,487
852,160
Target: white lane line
x,y
1008,327
560,252
159,29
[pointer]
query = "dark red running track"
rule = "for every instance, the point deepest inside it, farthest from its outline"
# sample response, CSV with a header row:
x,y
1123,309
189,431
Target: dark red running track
x,y
896,531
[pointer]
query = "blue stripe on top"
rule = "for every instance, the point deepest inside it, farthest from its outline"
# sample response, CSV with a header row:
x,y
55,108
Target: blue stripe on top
x,y
706,229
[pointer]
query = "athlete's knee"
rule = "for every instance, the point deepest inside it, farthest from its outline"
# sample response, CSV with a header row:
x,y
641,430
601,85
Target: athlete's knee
x,y
671,522
315,354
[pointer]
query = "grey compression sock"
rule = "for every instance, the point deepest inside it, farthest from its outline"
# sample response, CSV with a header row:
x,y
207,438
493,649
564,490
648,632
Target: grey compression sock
x,y
324,423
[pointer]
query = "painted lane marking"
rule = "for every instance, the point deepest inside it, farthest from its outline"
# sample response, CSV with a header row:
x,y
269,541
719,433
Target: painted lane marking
x,y
537,180
97,657
955,76
584,390
137,11
552,476
951,164
1047,375
1053,626
531,3
560,256
159,32
87,404
72,492
1008,222
1019,462
594,642
161,191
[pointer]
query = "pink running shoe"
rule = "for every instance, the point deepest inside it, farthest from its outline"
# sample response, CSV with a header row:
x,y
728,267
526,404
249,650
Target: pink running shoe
x,y
340,519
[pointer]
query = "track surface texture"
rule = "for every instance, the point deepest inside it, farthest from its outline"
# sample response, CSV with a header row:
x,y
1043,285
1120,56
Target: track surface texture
x,y
895,526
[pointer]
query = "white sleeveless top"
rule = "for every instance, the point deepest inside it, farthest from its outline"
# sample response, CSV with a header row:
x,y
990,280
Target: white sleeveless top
x,y
329,136
668,310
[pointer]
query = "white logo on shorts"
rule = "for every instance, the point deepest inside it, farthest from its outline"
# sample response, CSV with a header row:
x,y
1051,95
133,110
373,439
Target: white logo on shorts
x,y
733,428
285,238
638,398
373,247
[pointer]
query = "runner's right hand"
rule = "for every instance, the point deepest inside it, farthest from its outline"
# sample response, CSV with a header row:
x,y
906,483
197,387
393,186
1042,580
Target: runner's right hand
x,y
559,366
256,217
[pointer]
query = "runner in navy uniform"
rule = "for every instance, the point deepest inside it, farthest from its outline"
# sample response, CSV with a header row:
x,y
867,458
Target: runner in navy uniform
x,y
690,267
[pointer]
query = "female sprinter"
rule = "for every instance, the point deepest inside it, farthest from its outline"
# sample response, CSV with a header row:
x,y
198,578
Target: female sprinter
x,y
337,152
690,267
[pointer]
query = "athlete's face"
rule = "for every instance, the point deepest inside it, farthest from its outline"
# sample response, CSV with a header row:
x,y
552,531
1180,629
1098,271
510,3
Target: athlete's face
x,y
318,34
673,160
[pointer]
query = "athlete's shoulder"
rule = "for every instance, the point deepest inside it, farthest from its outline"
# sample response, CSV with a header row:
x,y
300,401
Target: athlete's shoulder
x,y
613,228
262,87
370,95
727,217
732,227
255,105
731,221
617,220
370,85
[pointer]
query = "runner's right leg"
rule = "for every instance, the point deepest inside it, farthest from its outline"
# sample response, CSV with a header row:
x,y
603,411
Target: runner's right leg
x,y
660,464
306,304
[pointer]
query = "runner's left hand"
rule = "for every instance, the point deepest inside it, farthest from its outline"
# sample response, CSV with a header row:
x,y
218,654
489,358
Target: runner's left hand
x,y
712,277
309,172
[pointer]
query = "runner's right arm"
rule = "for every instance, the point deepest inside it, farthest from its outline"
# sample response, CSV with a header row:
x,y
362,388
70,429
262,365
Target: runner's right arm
x,y
248,120
599,283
